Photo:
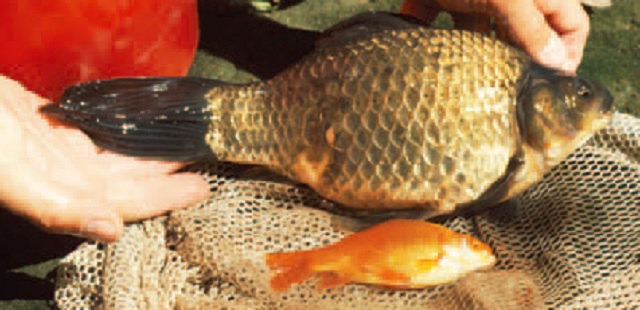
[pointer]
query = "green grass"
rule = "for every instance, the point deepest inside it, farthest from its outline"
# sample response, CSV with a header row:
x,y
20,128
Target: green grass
x,y
612,55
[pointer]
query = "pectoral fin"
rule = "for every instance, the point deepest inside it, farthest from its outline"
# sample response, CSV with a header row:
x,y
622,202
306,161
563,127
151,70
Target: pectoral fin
x,y
392,276
427,264
331,279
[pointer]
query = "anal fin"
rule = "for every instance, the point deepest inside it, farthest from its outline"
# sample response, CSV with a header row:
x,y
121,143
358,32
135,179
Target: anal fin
x,y
393,277
331,279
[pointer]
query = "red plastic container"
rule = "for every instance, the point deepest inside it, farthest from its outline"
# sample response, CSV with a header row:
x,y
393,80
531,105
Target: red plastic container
x,y
48,45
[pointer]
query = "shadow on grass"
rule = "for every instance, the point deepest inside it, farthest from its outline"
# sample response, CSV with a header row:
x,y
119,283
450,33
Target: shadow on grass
x,y
251,42
15,285
24,246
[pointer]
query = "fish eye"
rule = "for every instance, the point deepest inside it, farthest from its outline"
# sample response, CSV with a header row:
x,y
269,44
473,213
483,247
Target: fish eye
x,y
583,90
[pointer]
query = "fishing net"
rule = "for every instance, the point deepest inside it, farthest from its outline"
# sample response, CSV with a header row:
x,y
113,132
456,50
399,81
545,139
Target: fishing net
x,y
570,241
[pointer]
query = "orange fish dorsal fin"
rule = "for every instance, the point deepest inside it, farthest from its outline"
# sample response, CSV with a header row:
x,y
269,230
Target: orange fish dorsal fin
x,y
331,279
287,269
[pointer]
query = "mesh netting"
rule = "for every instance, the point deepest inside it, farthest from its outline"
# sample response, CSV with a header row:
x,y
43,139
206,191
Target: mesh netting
x,y
570,241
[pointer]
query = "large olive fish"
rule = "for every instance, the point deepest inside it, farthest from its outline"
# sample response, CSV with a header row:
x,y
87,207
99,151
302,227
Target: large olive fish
x,y
397,254
384,114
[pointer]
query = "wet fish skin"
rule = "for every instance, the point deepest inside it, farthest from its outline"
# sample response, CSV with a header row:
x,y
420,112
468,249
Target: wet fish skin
x,y
385,114
397,254
378,123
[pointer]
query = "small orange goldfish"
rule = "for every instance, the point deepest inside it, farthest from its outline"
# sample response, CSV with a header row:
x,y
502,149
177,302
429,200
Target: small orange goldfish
x,y
399,254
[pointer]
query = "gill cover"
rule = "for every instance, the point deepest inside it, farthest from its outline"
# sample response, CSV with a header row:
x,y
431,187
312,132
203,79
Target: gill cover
x,y
556,109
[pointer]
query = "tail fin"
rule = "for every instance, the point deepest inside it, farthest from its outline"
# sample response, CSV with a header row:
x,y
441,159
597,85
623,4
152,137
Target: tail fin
x,y
288,268
162,118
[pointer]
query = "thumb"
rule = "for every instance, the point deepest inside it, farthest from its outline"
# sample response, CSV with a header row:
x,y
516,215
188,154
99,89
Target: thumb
x,y
526,25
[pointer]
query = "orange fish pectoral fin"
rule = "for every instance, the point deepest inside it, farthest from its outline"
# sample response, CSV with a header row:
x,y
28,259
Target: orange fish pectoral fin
x,y
287,269
427,264
393,277
331,279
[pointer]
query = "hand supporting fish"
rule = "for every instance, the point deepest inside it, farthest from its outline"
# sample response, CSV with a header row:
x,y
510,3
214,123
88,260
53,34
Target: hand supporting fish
x,y
554,32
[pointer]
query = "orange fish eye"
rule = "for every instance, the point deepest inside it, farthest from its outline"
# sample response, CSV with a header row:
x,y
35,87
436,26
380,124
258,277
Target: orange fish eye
x,y
478,246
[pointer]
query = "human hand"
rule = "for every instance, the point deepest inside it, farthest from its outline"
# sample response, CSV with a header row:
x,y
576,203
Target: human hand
x,y
55,176
553,32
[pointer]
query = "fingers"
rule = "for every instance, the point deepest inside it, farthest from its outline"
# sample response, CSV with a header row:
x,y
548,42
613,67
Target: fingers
x,y
526,26
85,220
571,22
55,178
117,165
552,32
98,214
55,207
140,198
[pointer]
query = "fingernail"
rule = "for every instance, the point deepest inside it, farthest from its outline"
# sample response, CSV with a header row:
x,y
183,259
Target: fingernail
x,y
555,54
569,67
101,230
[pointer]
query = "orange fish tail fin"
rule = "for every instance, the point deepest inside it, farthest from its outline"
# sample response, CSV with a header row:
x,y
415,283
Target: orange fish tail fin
x,y
288,269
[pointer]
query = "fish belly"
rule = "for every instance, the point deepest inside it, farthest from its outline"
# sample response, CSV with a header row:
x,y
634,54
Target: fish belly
x,y
403,119
400,121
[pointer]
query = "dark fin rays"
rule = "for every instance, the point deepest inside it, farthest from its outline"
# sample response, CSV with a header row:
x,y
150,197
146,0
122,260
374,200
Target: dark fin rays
x,y
160,118
365,24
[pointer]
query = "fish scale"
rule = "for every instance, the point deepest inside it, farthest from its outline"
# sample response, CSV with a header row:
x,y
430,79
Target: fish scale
x,y
393,105
385,114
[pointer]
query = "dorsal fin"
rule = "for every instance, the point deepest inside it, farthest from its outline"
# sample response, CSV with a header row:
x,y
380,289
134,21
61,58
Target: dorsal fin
x,y
364,24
